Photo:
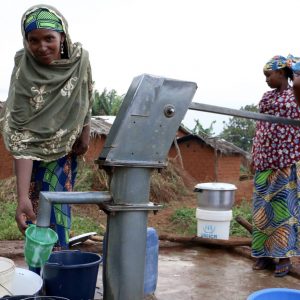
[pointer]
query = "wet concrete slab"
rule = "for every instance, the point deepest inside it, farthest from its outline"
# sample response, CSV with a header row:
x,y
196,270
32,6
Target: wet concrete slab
x,y
205,273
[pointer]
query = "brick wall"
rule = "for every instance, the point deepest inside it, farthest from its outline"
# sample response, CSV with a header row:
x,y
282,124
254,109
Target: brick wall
x,y
180,133
6,162
95,147
199,161
244,191
229,168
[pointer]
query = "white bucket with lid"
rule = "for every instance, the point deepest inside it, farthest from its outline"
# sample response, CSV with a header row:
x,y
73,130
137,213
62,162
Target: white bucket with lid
x,y
7,272
213,224
215,195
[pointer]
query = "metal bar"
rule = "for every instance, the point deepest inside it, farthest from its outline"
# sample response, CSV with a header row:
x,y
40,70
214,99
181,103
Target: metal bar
x,y
125,250
242,113
49,198
111,207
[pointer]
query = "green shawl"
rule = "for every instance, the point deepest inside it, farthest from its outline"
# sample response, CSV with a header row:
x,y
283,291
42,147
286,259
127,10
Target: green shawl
x,y
47,105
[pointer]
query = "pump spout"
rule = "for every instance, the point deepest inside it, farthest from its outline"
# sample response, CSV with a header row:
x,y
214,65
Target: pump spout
x,y
49,198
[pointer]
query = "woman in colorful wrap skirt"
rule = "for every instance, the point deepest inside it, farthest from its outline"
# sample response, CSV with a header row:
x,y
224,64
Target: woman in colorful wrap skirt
x,y
46,122
276,156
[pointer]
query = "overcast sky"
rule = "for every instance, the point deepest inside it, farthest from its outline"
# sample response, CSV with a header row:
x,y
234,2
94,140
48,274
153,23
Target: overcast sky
x,y
222,45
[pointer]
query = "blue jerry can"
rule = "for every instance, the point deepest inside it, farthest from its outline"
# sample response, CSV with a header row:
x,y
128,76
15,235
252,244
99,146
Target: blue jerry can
x,y
151,265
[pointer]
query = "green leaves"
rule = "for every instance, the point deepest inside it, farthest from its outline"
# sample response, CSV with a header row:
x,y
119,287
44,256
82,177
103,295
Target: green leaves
x,y
199,129
107,103
240,131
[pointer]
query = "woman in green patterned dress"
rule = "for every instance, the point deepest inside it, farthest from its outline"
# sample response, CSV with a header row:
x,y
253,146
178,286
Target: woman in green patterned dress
x,y
276,156
46,122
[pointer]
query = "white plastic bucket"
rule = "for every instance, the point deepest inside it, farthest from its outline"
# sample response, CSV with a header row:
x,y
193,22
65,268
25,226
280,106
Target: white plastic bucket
x,y
213,224
7,271
26,282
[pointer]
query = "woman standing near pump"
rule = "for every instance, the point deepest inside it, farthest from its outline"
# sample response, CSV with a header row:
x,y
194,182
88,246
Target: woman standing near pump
x,y
46,123
276,160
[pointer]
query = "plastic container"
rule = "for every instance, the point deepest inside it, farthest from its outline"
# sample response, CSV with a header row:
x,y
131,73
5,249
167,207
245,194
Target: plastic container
x,y
7,271
39,243
151,263
151,260
26,282
71,274
45,298
275,294
215,195
24,297
213,224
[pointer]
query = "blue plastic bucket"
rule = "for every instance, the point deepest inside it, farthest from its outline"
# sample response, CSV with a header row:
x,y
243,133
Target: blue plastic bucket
x,y
275,294
71,274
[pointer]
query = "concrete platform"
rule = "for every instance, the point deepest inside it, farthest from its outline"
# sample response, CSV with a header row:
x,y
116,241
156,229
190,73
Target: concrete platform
x,y
210,274
205,273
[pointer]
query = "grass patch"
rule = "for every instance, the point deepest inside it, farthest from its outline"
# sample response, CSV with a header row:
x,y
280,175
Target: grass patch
x,y
90,178
184,220
8,226
244,210
82,225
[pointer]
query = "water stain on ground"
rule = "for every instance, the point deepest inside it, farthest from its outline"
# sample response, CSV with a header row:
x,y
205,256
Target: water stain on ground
x,y
213,274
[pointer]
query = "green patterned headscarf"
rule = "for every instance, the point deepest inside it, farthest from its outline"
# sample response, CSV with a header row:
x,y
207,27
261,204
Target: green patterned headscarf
x,y
47,105
42,19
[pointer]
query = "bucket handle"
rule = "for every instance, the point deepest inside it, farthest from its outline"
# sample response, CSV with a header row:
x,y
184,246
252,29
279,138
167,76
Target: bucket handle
x,y
54,264
60,264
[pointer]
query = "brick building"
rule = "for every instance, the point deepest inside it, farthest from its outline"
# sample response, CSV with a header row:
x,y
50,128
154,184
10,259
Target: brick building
x,y
208,159
211,160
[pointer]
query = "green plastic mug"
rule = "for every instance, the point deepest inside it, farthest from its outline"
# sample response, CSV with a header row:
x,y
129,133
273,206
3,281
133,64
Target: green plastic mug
x,y
39,243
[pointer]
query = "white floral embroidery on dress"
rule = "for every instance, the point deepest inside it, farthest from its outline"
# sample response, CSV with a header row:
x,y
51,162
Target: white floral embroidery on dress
x,y
73,136
18,73
52,145
19,140
38,100
67,89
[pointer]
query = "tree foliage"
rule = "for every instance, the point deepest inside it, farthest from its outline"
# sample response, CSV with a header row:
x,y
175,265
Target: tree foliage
x,y
240,131
199,129
107,103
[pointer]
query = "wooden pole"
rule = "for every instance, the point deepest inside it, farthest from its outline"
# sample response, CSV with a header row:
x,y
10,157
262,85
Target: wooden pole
x,y
195,240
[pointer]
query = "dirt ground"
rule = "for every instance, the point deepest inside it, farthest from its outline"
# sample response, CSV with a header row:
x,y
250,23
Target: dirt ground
x,y
161,221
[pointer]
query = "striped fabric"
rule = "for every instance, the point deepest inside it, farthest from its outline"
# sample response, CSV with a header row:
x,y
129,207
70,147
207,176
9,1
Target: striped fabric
x,y
58,176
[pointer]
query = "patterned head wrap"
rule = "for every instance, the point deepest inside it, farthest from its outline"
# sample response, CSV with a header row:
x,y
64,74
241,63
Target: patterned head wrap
x,y
42,18
294,63
275,63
